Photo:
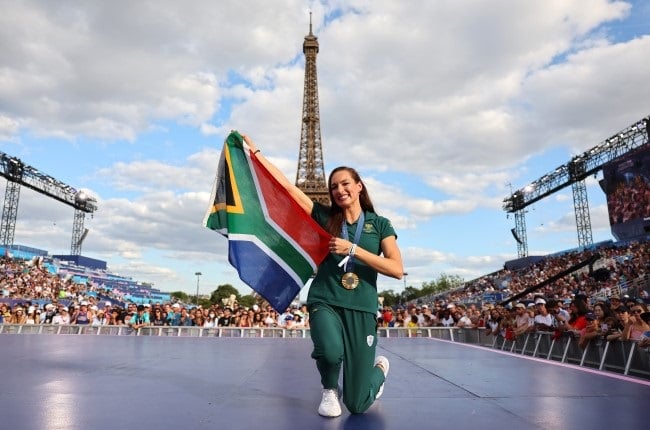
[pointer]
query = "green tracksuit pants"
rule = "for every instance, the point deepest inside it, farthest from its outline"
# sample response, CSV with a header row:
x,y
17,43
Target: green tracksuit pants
x,y
347,337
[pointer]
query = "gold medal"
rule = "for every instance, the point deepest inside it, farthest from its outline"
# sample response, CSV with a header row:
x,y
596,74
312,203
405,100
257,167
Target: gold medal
x,y
350,280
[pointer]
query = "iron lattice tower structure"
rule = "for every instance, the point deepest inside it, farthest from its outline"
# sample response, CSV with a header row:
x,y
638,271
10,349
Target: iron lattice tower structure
x,y
574,173
310,175
18,174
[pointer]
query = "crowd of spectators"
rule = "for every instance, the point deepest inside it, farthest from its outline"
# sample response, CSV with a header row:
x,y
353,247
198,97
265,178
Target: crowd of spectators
x,y
613,319
623,269
587,304
89,312
32,295
629,200
608,299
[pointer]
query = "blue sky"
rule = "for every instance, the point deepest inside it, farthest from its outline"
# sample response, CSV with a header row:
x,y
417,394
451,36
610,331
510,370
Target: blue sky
x,y
444,108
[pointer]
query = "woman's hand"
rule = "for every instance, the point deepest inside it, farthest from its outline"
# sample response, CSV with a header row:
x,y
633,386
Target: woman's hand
x,y
339,246
296,193
249,142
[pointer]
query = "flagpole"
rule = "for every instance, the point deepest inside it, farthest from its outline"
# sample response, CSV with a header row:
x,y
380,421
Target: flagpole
x,y
198,276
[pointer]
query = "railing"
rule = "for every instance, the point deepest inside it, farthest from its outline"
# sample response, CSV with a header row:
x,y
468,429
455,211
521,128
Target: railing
x,y
623,357
617,356
632,287
120,330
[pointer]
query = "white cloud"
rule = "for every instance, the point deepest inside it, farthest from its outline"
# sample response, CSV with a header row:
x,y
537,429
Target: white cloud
x,y
439,104
9,128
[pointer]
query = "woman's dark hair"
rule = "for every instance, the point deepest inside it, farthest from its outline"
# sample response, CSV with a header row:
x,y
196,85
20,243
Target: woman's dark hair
x,y
581,307
336,213
607,311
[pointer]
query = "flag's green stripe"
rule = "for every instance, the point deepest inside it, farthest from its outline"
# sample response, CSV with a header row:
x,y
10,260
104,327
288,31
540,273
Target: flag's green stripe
x,y
253,222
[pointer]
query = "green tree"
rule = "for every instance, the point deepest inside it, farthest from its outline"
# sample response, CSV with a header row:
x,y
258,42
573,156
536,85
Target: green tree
x,y
447,282
390,298
180,295
247,301
224,292
410,293
442,284
204,302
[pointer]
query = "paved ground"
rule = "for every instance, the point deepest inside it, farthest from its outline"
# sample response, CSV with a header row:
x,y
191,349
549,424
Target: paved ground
x,y
126,382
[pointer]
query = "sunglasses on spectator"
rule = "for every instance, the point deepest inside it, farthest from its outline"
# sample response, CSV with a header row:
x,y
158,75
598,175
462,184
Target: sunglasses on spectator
x,y
637,311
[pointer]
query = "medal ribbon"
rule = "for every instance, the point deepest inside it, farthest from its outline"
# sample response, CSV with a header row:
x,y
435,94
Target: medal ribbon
x,y
349,260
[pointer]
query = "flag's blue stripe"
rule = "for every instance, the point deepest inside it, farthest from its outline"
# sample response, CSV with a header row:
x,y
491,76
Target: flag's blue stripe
x,y
270,254
256,267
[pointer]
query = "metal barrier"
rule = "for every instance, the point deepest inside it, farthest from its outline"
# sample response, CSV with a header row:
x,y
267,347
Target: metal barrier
x,y
617,356
115,330
622,357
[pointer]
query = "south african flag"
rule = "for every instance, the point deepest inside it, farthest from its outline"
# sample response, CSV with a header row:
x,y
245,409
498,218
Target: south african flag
x,y
272,243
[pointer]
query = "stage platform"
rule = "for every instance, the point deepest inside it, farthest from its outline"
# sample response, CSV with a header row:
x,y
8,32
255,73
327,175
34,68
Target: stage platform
x,y
86,382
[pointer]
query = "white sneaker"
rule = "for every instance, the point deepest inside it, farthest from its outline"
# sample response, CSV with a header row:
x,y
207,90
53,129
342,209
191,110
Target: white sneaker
x,y
384,365
329,405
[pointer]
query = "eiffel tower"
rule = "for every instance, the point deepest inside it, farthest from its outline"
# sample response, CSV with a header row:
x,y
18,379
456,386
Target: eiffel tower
x,y
310,175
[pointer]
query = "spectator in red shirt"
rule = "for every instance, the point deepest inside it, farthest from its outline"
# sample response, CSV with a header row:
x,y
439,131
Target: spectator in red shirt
x,y
387,316
577,309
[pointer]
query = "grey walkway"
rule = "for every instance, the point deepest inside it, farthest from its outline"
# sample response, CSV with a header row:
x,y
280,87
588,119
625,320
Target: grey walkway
x,y
126,382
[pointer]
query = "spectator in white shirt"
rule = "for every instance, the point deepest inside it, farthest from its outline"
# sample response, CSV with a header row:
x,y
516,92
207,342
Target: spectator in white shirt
x,y
62,318
543,319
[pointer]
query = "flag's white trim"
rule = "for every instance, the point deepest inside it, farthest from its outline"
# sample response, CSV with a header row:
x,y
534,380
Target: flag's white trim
x,y
270,220
268,251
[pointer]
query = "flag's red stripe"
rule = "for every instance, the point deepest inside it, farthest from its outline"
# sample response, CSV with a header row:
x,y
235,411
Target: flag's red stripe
x,y
289,216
